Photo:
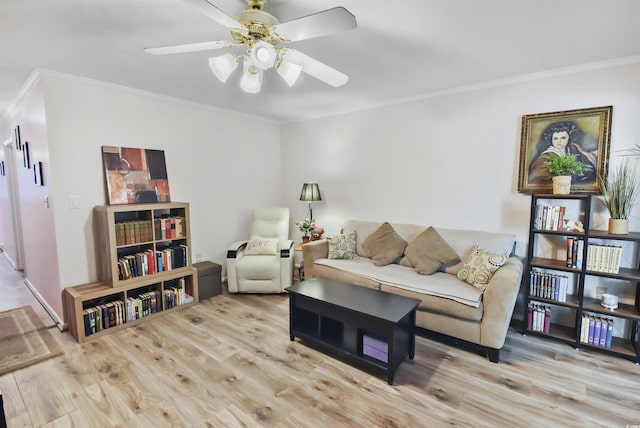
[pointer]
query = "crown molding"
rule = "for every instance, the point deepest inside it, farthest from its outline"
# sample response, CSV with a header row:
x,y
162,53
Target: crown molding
x,y
524,78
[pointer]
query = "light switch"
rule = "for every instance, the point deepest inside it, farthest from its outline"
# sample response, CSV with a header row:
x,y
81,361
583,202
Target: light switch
x,y
74,202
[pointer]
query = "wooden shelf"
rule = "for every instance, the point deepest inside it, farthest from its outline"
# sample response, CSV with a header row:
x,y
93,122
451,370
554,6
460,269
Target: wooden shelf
x,y
626,347
124,231
79,298
110,250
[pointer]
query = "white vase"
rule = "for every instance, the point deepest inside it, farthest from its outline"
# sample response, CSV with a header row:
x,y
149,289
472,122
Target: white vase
x,y
561,185
618,226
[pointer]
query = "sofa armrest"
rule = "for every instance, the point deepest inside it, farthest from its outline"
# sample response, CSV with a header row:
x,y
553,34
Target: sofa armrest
x,y
498,300
312,251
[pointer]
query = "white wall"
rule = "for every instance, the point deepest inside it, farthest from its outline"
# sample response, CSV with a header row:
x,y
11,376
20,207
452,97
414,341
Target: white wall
x,y
40,268
223,164
449,161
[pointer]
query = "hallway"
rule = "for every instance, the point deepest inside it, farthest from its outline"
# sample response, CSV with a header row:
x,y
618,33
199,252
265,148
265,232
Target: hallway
x,y
14,293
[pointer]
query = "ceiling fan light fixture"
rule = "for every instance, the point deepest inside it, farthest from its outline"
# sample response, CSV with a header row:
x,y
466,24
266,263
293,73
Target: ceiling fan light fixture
x,y
251,80
263,55
222,66
289,72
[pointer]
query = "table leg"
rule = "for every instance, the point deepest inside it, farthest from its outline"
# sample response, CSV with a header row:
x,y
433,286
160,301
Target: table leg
x,y
390,377
412,334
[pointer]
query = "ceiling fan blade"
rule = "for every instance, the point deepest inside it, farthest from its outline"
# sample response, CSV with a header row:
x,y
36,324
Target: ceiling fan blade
x,y
317,69
215,13
191,47
323,23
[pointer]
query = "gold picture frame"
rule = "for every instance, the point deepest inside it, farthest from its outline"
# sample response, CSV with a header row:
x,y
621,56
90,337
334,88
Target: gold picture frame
x,y
589,136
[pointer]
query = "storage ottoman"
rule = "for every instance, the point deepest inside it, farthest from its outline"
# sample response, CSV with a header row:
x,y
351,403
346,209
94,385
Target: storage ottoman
x,y
209,279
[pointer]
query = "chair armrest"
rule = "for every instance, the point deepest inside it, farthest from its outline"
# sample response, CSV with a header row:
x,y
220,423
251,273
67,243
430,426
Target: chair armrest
x,y
498,300
232,251
312,251
286,249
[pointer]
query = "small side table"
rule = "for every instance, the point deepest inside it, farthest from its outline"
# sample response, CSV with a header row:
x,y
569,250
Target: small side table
x,y
298,248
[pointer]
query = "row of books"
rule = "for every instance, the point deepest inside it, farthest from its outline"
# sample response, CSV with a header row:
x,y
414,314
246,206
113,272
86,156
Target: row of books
x,y
175,294
171,227
604,258
549,217
575,251
133,232
596,331
538,317
130,232
111,314
151,261
548,285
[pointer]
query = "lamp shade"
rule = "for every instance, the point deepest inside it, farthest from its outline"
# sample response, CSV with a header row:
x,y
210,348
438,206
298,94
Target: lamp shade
x,y
310,192
263,55
223,66
289,72
251,80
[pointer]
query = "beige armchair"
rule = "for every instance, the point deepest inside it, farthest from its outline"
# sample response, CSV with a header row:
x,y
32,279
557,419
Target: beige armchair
x,y
264,263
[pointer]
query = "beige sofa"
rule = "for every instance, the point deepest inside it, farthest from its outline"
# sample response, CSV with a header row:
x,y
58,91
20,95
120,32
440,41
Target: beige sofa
x,y
451,307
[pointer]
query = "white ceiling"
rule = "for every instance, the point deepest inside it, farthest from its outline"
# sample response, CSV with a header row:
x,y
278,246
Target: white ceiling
x,y
401,49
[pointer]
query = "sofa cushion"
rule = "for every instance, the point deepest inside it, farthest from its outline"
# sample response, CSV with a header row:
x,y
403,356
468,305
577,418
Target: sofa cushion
x,y
479,267
438,284
264,246
343,246
429,251
384,245
439,304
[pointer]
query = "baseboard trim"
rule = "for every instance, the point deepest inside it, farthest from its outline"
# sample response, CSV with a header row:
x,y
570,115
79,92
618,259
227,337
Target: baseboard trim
x,y
59,322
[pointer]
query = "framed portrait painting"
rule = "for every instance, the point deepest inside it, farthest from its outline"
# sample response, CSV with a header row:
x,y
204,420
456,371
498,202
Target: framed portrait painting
x,y
585,133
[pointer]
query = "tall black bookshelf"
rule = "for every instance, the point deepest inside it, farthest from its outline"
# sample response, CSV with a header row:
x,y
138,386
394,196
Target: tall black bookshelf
x,y
551,266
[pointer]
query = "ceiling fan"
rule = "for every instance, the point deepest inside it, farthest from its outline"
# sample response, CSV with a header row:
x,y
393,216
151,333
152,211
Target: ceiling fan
x,y
266,41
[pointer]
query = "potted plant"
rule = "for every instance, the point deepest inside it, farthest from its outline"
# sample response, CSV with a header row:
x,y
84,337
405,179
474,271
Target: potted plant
x,y
306,227
620,192
561,168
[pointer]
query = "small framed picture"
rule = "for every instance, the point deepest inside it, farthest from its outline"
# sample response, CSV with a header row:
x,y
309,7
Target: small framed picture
x,y
37,173
18,142
25,155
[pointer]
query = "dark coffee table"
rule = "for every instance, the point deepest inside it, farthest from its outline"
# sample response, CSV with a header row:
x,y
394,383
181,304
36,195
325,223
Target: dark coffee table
x,y
368,327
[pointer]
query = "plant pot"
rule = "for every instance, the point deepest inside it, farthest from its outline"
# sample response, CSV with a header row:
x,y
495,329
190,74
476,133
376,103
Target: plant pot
x,y
561,185
305,239
618,226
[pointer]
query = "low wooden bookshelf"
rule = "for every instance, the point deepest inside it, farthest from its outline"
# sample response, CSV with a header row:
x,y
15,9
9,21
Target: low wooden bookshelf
x,y
79,300
144,263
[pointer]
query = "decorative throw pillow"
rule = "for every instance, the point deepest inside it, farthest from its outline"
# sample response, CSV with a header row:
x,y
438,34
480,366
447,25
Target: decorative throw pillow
x,y
429,251
384,245
343,246
263,246
480,266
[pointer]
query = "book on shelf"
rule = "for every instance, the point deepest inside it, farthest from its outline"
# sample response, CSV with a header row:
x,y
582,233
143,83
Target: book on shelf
x,y
604,258
575,252
169,227
548,285
538,318
133,232
549,217
146,263
596,330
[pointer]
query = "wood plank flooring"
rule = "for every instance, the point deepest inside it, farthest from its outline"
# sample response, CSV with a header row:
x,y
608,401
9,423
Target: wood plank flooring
x,y
228,362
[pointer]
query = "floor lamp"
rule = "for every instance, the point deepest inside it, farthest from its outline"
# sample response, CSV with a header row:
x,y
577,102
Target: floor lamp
x,y
310,193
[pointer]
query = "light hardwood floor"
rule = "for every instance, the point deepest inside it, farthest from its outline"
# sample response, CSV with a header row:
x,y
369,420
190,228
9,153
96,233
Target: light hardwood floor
x,y
228,361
